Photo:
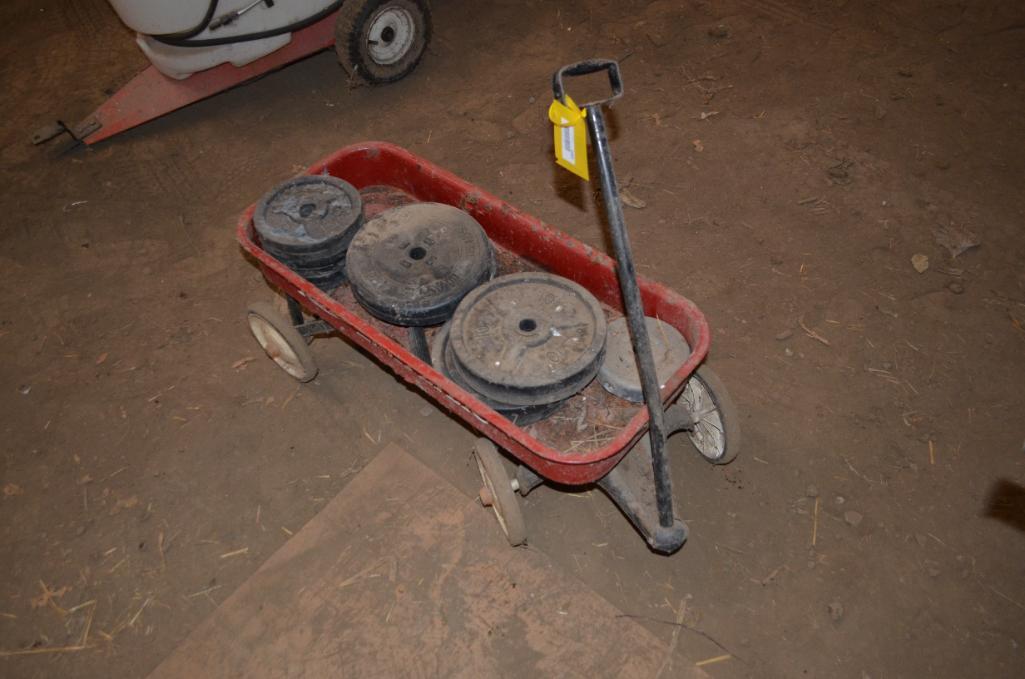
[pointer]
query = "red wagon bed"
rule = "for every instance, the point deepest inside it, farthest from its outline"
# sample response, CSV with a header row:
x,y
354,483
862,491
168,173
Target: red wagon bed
x,y
595,430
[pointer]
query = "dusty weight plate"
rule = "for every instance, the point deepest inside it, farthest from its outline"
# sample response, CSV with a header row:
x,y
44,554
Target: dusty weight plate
x,y
314,215
326,276
329,256
443,362
618,371
326,279
308,266
411,265
528,338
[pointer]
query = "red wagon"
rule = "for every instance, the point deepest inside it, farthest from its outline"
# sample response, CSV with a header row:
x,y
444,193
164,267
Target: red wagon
x,y
619,463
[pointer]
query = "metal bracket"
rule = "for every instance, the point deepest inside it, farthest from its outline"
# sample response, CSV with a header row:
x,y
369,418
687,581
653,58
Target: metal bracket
x,y
312,328
526,480
85,128
306,328
48,132
631,486
78,133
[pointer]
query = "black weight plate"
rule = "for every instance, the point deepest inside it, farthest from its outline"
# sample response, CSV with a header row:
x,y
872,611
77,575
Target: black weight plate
x,y
528,338
618,372
324,265
411,265
325,280
309,214
325,277
314,258
441,359
320,272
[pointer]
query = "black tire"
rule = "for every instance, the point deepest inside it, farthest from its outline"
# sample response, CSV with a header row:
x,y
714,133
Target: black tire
x,y
721,421
404,28
281,341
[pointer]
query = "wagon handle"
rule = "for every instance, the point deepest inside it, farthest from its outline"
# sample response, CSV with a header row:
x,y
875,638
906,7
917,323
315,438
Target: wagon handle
x,y
672,532
585,68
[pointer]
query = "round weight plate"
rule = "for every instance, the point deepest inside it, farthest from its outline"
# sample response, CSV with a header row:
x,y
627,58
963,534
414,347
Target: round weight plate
x,y
310,214
528,338
618,371
439,349
411,265
328,256
442,360
325,279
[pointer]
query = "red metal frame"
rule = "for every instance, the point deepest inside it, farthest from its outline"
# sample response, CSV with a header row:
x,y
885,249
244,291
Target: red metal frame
x,y
375,163
152,94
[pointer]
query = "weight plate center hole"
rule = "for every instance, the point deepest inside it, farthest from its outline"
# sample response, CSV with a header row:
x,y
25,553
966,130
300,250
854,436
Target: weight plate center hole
x,y
387,35
528,325
417,253
307,209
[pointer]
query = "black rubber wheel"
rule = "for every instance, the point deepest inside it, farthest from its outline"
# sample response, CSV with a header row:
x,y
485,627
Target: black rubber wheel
x,y
381,41
716,432
284,345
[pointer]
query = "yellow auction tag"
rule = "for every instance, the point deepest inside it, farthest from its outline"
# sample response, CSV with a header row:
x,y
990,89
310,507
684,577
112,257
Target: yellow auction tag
x,y
570,139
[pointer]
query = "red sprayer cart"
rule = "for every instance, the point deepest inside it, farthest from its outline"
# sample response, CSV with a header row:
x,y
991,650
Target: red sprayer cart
x,y
598,439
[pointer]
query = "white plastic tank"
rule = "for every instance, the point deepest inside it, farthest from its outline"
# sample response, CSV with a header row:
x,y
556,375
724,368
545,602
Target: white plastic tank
x,y
150,18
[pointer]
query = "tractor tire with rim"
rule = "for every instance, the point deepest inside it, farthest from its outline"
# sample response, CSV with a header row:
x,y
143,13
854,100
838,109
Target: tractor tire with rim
x,y
381,41
281,341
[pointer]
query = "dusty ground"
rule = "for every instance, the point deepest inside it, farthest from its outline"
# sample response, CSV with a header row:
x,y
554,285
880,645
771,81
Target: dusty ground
x,y
793,157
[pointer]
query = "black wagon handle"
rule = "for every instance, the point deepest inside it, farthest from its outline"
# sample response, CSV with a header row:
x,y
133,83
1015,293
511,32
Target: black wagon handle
x,y
587,67
671,532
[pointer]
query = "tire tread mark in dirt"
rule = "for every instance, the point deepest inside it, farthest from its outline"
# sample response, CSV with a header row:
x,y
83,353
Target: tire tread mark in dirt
x,y
782,10
86,19
174,176
94,45
149,174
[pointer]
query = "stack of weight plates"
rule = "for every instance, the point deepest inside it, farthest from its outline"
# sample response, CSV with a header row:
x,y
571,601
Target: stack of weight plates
x,y
523,343
411,265
521,415
307,223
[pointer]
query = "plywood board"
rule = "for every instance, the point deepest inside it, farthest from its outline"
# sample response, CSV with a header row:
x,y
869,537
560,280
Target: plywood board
x,y
401,575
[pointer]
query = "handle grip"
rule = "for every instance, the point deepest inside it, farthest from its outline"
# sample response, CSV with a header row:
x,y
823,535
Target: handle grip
x,y
585,68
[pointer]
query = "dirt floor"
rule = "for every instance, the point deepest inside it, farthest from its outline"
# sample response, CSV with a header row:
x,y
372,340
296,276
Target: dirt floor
x,y
792,158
